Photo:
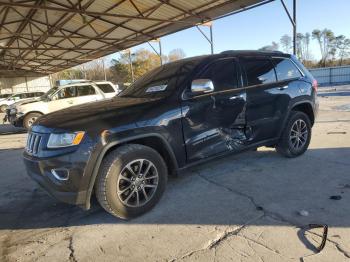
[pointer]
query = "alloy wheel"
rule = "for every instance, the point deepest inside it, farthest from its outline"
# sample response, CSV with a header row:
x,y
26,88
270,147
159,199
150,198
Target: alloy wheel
x,y
298,134
32,120
137,183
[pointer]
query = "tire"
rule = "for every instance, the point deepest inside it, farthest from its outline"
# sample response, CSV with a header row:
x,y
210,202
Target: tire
x,y
114,181
294,143
30,119
3,108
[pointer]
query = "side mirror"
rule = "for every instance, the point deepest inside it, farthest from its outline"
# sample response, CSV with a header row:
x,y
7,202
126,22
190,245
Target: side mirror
x,y
202,86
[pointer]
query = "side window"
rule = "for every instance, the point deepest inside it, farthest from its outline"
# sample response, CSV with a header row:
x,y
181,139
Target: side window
x,y
223,73
30,95
22,96
285,69
106,88
64,93
85,90
259,71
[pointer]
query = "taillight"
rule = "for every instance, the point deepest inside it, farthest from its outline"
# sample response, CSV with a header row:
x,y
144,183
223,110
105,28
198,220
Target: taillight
x,y
315,85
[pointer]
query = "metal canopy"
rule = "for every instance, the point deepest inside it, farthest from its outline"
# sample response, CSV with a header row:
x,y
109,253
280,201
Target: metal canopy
x,y
47,36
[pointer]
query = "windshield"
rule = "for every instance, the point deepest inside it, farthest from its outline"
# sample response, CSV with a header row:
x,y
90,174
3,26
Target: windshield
x,y
49,93
13,96
161,81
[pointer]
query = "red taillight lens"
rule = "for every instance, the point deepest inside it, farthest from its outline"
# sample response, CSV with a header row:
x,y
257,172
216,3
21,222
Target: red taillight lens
x,y
315,84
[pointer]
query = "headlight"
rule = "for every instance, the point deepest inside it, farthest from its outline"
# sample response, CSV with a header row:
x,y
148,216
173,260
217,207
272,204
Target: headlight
x,y
65,139
13,111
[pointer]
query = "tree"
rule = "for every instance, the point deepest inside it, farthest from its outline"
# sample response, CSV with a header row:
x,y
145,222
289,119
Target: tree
x,y
326,41
176,54
142,62
303,46
273,47
286,43
343,47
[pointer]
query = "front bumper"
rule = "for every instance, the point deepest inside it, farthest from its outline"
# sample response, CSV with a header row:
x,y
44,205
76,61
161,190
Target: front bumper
x,y
68,191
44,166
14,119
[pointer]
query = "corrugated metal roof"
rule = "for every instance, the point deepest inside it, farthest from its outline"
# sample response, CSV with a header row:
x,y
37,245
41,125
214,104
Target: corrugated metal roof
x,y
50,35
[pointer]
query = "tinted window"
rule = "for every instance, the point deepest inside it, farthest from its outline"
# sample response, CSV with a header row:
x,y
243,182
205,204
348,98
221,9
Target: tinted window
x,y
106,88
223,73
285,69
85,90
67,92
259,71
24,95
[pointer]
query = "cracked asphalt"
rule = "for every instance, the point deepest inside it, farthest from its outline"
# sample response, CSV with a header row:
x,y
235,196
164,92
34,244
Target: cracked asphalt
x,y
243,207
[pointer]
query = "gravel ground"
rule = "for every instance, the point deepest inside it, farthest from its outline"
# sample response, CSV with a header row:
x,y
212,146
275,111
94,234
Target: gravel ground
x,y
244,207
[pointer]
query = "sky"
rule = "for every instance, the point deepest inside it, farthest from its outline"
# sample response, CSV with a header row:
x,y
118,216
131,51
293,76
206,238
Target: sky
x,y
260,26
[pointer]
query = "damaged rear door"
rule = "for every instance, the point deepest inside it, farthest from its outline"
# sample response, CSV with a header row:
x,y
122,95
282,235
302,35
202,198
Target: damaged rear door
x,y
214,122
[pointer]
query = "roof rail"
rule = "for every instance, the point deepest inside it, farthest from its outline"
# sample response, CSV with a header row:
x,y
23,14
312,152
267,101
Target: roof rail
x,y
251,51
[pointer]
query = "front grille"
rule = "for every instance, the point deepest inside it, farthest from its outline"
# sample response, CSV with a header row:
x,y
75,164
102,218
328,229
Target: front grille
x,y
33,143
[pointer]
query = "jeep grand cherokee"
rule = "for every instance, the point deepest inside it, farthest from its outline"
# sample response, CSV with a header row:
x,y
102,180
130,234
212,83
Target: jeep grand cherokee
x,y
178,115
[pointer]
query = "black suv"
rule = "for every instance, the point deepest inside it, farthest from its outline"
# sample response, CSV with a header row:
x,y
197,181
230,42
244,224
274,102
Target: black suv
x,y
178,115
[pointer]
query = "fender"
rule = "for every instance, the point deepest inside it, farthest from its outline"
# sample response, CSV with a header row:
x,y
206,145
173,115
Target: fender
x,y
29,112
290,108
118,142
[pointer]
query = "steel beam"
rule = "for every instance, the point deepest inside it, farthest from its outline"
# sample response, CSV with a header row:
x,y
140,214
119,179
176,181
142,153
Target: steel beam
x,y
89,13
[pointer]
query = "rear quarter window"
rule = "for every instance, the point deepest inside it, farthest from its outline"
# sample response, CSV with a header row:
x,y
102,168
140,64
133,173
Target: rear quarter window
x,y
106,88
259,71
85,90
286,69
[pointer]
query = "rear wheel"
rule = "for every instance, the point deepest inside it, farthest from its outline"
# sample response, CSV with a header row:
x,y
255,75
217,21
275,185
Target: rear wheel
x,y
29,119
131,180
296,136
3,108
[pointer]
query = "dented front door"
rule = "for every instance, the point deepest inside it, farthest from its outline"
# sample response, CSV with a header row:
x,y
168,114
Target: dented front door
x,y
214,123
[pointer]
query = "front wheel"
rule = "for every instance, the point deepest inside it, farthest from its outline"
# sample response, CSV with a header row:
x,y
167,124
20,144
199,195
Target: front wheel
x,y
296,136
3,108
29,119
131,180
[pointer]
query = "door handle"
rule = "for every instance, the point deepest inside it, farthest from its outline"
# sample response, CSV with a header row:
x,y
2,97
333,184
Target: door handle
x,y
282,88
70,102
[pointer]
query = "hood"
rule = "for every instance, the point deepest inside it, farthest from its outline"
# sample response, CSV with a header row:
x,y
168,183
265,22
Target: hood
x,y
98,113
25,101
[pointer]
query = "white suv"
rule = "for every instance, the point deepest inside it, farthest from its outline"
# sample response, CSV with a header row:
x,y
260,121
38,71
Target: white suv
x,y
26,113
5,102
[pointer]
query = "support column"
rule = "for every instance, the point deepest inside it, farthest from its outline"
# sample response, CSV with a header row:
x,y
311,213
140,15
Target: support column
x,y
131,67
159,53
294,27
293,20
210,39
26,80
